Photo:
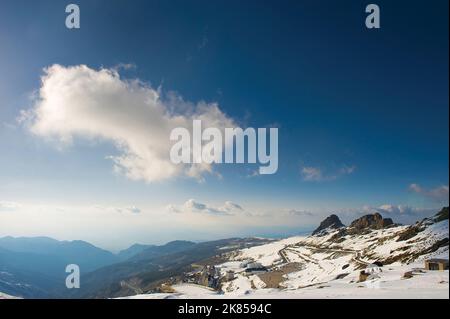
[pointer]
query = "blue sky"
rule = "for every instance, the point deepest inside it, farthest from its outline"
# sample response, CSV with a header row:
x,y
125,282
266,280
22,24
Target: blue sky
x,y
365,110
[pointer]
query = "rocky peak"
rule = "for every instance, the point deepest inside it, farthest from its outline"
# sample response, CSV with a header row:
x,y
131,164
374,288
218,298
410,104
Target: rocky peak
x,y
331,222
372,221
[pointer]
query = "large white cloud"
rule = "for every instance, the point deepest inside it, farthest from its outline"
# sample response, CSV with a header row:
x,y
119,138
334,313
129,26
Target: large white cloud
x,y
79,101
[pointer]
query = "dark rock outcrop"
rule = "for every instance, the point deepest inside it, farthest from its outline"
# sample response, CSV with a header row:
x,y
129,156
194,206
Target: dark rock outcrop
x,y
331,222
442,215
372,221
411,232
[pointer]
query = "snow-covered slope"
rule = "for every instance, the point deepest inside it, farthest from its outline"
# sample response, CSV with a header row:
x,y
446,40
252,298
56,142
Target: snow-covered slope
x,y
329,264
389,285
340,255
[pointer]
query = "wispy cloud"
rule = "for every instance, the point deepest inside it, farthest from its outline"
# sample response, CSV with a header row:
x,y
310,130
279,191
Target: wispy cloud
x,y
121,210
399,213
439,194
312,173
299,213
9,126
404,210
203,43
316,174
192,206
9,206
253,173
124,66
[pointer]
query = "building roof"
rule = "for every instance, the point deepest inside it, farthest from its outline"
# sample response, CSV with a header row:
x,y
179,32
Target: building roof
x,y
254,265
436,260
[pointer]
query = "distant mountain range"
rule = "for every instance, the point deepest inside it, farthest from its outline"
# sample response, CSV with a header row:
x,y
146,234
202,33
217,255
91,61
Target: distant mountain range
x,y
35,266
84,254
143,252
133,250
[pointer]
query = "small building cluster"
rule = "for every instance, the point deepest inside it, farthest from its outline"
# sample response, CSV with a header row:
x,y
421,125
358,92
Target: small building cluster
x,y
244,263
211,276
208,276
436,264
255,268
371,272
